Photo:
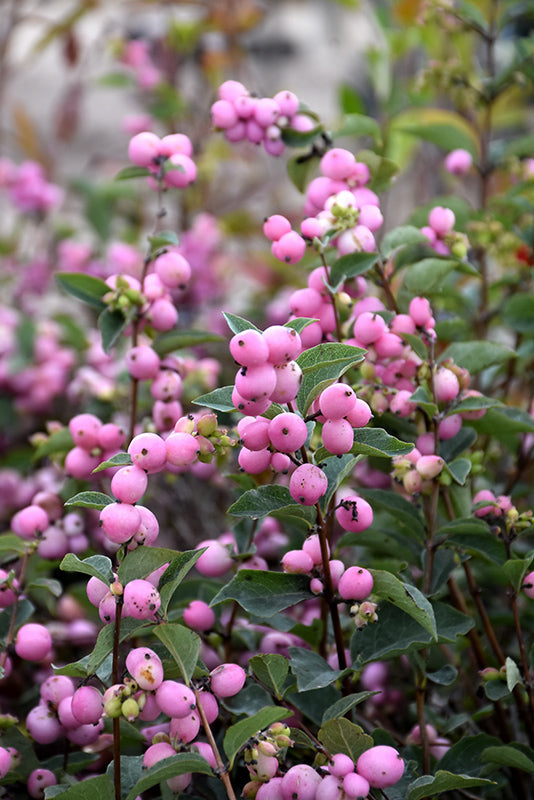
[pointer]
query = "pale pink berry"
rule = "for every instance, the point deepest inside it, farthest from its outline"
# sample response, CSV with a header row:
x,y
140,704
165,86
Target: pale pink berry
x,y
338,436
215,561
355,786
142,362
79,463
227,680
305,302
162,315
288,382
33,642
458,162
297,562
43,725
340,765
38,780
360,414
120,521
354,514
111,437
129,484
441,220
289,248
182,449
145,667
312,546
270,790
84,429
30,521
288,432
283,343
249,348
143,149
185,729
175,699
256,382
55,688
276,226
300,783
148,452
330,788
337,163
307,484
401,405
166,386
199,616
356,583
209,705
492,508
141,599
157,752
175,143
449,426
96,590
381,765
223,114
173,270
337,400
254,462
420,311
429,467
446,385
251,407
254,432
87,705
183,173
369,327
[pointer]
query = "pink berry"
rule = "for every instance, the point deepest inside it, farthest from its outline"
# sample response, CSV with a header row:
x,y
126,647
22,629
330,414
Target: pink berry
x,y
283,343
337,163
223,114
143,149
141,599
173,270
446,385
199,616
157,752
120,521
337,400
129,484
182,449
356,583
145,667
96,590
215,561
307,484
148,452
29,522
175,699
341,765
360,414
142,362
254,462
227,680
288,432
87,705
276,226
330,788
338,436
79,463
382,766
84,429
183,172
33,642
289,248
300,783
354,514
254,432
441,220
288,382
297,562
420,311
38,780
185,729
249,348
355,786
528,585
369,327
458,162
256,382
43,725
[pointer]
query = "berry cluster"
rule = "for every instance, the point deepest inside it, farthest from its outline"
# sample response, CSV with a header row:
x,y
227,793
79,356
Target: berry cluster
x,y
169,159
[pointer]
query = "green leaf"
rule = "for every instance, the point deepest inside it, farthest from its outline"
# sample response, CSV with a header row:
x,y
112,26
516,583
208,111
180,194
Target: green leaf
x,y
503,421
444,676
49,584
477,356
127,173
274,501
180,764
100,787
509,755
515,570
142,561
60,441
396,633
295,138
417,345
513,676
475,403
382,169
342,736
343,706
173,340
473,536
220,399
111,325
465,755
351,265
405,597
96,500
175,573
272,670
299,323
433,785
104,642
163,239
446,129
238,324
427,276
311,670
377,442
11,543
405,514
182,643
238,735
321,366
87,288
459,469
398,237
421,396
118,460
300,169
97,566
359,125
265,593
